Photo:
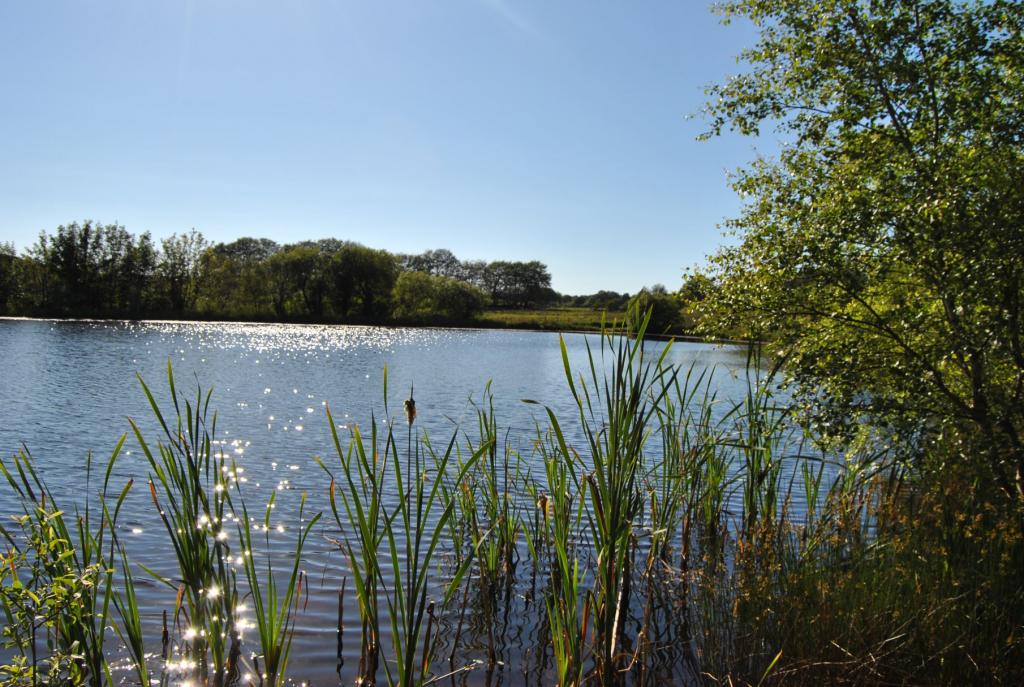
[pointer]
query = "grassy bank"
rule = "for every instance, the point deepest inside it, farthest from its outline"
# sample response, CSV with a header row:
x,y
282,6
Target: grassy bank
x,y
568,319
680,539
565,319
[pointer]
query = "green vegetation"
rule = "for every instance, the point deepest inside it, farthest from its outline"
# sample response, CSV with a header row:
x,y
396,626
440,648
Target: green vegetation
x,y
411,530
615,415
56,581
667,315
275,613
551,319
189,485
92,270
432,298
882,254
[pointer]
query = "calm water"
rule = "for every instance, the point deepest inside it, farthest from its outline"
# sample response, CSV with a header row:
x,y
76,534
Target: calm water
x,y
68,388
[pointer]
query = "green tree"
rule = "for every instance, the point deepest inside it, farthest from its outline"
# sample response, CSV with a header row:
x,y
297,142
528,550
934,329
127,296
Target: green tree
x,y
517,284
137,277
414,295
281,287
362,280
666,315
458,300
439,262
306,266
472,272
180,269
88,269
10,273
70,261
697,287
84,266
236,280
604,300
124,272
423,296
882,251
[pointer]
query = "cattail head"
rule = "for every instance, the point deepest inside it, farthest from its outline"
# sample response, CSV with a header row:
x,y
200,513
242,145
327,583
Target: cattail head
x,y
410,408
543,504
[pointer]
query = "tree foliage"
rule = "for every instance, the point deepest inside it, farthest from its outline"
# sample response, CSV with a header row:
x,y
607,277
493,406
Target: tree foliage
x,y
181,269
518,284
883,251
665,309
93,270
362,280
87,269
10,267
440,262
423,296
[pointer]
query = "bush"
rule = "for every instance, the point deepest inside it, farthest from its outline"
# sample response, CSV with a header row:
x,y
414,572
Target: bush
x,y
666,312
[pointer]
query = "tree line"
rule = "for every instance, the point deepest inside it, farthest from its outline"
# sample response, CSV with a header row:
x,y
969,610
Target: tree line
x,y
90,269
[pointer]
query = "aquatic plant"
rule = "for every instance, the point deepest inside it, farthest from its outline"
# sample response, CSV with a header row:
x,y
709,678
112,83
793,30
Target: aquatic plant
x,y
274,604
188,485
56,578
396,543
615,415
362,494
567,604
415,528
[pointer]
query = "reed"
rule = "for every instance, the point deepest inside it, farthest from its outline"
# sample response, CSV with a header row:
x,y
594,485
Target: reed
x,y
567,603
130,631
690,471
397,544
616,414
759,437
493,517
274,605
189,485
415,529
362,494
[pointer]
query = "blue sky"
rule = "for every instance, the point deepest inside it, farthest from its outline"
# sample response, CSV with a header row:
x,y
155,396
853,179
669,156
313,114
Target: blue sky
x,y
555,131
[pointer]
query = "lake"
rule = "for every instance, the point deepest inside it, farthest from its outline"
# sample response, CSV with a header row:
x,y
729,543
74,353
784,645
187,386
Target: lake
x,y
69,386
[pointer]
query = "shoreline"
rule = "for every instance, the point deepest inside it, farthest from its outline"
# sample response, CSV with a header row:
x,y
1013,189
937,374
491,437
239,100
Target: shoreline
x,y
489,325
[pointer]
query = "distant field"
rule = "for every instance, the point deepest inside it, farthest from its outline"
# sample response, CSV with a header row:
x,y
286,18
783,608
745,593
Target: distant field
x,y
550,318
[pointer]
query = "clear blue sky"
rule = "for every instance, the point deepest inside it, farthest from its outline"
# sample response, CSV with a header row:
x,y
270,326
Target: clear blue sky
x,y
544,130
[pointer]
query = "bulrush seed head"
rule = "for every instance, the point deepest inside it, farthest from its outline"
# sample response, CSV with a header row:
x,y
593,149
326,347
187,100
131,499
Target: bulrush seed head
x,y
410,408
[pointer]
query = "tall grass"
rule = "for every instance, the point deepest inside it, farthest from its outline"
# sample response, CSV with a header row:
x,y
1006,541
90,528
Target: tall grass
x,y
362,498
274,605
391,549
686,481
567,604
413,532
486,504
130,631
189,486
615,414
